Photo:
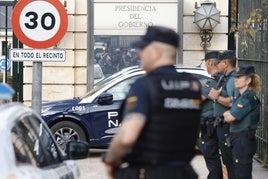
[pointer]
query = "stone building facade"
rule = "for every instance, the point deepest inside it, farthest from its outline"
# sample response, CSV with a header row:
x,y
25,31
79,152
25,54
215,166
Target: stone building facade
x,y
62,80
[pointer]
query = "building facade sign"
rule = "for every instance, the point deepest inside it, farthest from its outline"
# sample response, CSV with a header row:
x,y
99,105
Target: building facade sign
x,y
133,18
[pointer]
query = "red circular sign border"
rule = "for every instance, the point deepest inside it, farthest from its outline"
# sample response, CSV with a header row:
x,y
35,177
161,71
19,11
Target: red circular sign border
x,y
33,43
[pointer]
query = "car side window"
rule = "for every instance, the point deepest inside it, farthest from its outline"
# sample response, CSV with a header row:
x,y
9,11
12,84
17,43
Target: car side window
x,y
120,90
32,143
23,153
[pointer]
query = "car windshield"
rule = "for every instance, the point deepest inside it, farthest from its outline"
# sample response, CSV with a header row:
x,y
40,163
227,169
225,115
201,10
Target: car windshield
x,y
196,73
122,72
97,88
94,90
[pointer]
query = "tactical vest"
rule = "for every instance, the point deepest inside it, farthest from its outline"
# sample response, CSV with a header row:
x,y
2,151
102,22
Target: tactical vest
x,y
170,133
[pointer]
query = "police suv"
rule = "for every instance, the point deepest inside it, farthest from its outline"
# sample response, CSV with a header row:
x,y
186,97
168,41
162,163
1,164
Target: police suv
x,y
94,117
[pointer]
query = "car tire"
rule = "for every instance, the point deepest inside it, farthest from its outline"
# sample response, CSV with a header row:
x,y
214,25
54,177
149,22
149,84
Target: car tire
x,y
66,131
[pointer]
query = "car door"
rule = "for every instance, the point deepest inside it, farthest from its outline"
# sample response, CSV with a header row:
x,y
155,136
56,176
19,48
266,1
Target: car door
x,y
34,145
105,117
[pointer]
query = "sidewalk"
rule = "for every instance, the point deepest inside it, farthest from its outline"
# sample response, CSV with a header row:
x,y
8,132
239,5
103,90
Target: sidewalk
x,y
92,167
199,165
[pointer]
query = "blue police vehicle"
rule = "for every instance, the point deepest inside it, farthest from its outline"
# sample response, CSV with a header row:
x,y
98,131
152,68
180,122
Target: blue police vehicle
x,y
94,117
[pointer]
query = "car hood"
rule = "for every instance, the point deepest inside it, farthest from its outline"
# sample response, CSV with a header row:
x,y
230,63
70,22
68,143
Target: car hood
x,y
60,105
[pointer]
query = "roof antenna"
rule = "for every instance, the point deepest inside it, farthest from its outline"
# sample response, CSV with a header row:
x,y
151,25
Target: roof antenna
x,y
200,63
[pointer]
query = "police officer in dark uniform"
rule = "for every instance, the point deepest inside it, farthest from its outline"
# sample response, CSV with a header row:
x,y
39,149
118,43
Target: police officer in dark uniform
x,y
244,117
161,116
208,141
223,99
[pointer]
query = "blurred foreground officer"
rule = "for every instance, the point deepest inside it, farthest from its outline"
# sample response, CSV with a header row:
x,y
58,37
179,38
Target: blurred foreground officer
x,y
244,117
6,93
223,99
208,141
161,116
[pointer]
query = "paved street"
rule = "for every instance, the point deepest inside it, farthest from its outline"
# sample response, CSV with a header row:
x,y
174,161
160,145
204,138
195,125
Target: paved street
x,y
92,168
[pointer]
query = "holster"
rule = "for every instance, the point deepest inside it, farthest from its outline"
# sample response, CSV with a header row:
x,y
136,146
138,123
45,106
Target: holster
x,y
218,121
210,127
207,126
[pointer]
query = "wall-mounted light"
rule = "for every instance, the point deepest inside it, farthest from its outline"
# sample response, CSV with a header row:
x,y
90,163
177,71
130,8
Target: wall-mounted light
x,y
206,17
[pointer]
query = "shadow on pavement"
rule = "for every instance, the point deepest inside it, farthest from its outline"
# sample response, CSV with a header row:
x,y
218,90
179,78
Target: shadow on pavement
x,y
96,152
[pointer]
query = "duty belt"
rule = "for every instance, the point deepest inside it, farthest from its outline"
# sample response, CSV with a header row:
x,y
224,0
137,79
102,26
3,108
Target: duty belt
x,y
208,118
169,164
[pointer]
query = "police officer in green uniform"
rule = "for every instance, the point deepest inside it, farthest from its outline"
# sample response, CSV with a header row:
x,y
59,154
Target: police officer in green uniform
x,y
161,116
243,118
208,141
223,99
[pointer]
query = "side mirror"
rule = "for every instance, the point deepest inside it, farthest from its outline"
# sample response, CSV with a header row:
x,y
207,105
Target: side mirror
x,y
77,149
105,99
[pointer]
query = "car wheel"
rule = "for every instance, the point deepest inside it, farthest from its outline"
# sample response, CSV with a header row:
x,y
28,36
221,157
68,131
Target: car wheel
x,y
66,131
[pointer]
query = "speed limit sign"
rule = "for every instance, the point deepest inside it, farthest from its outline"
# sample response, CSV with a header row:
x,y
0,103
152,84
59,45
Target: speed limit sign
x,y
39,23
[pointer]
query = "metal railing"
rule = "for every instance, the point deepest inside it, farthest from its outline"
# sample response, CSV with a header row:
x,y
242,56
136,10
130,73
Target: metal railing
x,y
253,49
8,40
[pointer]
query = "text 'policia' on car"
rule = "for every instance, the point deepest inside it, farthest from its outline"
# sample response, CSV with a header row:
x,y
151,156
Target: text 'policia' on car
x,y
94,117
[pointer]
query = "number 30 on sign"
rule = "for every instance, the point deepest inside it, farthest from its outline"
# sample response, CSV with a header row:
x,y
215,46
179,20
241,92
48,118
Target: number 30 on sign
x,y
39,23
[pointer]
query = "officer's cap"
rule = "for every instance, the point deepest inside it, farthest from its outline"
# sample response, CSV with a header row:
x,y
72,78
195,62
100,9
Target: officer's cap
x,y
157,33
226,55
211,54
6,91
245,70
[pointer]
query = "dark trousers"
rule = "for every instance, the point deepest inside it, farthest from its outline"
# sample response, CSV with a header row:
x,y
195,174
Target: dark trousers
x,y
210,149
156,172
226,151
243,150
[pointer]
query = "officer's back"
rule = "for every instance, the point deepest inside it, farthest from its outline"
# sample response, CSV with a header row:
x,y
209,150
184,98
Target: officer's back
x,y
161,115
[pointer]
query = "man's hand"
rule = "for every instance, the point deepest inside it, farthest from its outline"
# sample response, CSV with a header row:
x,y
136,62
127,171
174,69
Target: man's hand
x,y
110,166
228,117
213,94
110,170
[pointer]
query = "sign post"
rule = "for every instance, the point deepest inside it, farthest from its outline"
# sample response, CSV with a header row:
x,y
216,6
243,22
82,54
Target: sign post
x,y
5,64
39,24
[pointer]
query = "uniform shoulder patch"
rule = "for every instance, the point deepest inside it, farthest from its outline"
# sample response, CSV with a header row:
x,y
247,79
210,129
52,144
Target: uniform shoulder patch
x,y
240,105
131,102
